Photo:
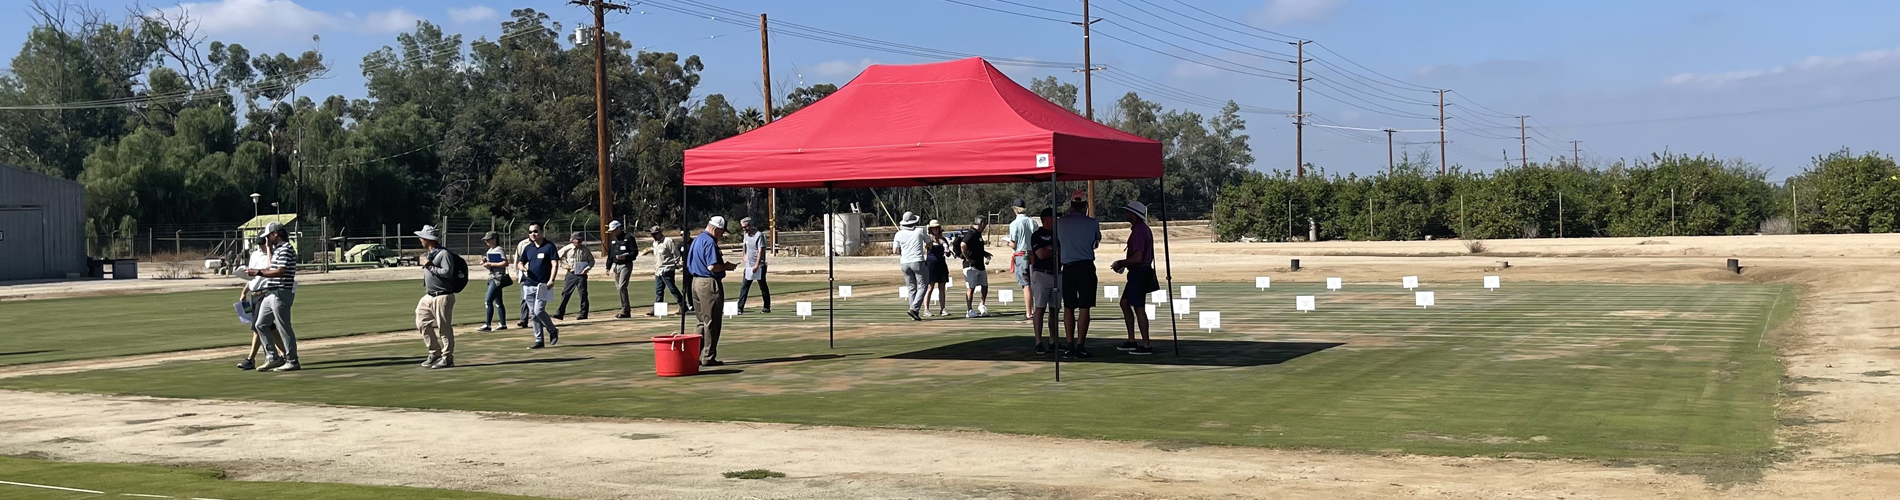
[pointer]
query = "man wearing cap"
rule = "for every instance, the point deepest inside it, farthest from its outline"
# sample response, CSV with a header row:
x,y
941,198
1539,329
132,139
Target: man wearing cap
x,y
496,262
911,246
435,312
579,261
1078,235
754,246
280,292
708,267
666,256
976,279
1018,238
621,250
1042,283
527,312
537,262
1139,264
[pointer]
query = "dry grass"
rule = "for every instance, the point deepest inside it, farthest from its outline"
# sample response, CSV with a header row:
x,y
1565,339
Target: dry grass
x,y
1475,246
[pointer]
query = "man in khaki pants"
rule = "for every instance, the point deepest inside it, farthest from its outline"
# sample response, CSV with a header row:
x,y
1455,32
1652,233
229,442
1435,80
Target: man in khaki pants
x,y
708,267
434,313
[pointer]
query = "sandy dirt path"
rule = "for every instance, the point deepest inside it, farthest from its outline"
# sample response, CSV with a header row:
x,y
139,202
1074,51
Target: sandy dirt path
x,y
1842,354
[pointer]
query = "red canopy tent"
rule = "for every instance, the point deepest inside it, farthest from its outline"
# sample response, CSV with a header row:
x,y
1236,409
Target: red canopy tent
x,y
954,122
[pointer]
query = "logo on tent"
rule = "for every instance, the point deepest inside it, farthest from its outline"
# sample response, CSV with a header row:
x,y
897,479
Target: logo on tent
x,y
1042,160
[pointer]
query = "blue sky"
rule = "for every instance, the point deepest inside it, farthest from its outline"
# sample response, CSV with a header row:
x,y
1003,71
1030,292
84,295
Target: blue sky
x,y
1580,69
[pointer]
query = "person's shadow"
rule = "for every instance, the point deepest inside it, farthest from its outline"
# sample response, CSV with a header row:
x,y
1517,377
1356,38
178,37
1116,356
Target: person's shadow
x,y
1192,352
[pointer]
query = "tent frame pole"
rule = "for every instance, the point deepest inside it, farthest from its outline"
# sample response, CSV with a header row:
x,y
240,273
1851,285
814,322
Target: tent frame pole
x,y
684,270
1174,327
1055,331
831,272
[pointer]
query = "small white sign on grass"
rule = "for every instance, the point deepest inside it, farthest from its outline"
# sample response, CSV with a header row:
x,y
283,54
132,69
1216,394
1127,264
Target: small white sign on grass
x,y
903,292
1304,303
1112,291
1493,282
1160,296
732,308
1335,283
1190,292
1151,312
1005,296
1409,282
1210,320
1425,299
936,294
659,309
804,310
950,284
1180,307
1263,282
845,291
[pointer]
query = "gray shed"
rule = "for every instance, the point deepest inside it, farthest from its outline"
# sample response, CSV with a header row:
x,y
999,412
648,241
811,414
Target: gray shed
x,y
42,226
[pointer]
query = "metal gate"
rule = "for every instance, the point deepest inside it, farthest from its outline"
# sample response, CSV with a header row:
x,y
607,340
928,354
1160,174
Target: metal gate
x,y
23,243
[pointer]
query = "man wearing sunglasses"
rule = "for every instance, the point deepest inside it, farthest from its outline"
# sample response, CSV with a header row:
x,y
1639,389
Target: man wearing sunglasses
x,y
537,261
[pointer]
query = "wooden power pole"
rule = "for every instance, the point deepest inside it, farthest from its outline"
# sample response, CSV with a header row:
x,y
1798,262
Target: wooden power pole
x,y
1523,143
1441,132
1388,151
1299,110
600,8
1088,86
765,71
1576,156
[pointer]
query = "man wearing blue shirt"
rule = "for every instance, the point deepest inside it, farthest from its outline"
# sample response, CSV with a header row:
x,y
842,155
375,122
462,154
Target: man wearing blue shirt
x,y
1077,236
538,260
708,267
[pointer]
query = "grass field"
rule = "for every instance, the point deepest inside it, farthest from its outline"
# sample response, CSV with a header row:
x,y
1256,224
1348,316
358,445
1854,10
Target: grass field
x,y
44,480
1666,373
95,327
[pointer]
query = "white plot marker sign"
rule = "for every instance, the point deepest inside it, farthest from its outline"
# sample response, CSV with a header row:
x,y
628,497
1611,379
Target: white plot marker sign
x,y
659,309
1160,296
1112,291
845,291
1335,283
936,294
1190,291
1493,282
1262,283
804,310
1304,303
1425,299
732,308
1210,320
1151,312
1180,307
1409,282
1005,296
903,292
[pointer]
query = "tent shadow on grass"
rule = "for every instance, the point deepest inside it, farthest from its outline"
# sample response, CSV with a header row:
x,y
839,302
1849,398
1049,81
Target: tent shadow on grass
x,y
1193,352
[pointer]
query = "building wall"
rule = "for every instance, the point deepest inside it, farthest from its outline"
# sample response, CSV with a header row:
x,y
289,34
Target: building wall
x,y
61,206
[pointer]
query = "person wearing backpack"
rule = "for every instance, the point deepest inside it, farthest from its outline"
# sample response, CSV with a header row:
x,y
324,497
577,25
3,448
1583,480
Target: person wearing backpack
x,y
443,275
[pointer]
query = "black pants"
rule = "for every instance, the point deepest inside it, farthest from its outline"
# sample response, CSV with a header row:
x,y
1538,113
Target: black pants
x,y
765,292
573,281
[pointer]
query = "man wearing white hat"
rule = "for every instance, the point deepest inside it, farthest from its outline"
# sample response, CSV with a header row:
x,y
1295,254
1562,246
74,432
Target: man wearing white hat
x,y
1139,264
621,251
911,246
708,267
434,313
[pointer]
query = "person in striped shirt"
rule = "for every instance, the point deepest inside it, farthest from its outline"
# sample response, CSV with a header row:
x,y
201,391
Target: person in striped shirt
x,y
280,291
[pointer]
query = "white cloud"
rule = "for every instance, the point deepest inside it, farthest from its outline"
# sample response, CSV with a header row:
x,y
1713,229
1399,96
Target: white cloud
x,y
389,21
472,14
1189,71
274,17
1812,63
1291,11
841,68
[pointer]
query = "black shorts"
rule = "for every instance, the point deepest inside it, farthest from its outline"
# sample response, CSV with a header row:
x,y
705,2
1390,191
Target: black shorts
x,y
1141,282
1078,284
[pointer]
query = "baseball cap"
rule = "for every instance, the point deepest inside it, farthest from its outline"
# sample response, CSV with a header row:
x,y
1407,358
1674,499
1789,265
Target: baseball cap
x,y
718,222
577,236
655,230
492,235
1019,203
613,225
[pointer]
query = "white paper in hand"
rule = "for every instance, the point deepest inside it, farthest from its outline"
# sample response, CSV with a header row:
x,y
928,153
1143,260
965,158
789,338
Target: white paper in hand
x,y
1210,320
1190,291
1304,303
1112,291
1425,299
1335,283
1263,282
1409,282
1493,282
804,309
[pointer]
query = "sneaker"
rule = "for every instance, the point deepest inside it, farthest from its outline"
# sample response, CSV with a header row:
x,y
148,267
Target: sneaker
x,y
970,314
554,336
765,311
914,316
484,328
536,345
289,366
1083,353
712,362
521,324
649,314
269,363
1128,346
558,317
247,364
431,361
1040,349
580,318
1141,351
503,327
445,362
622,316
944,313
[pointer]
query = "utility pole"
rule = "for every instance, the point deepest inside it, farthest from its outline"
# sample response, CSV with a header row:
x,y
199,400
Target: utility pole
x,y
1299,112
1088,86
600,8
765,71
1576,158
1523,147
1796,195
1388,151
1441,132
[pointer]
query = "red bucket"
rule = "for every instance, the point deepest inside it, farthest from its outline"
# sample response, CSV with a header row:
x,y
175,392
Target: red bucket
x,y
676,355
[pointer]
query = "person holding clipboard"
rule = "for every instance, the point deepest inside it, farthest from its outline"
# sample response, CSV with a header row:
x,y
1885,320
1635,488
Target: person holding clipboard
x,y
496,262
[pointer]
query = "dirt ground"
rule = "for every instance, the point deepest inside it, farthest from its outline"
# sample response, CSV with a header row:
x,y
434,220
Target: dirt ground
x,y
1839,435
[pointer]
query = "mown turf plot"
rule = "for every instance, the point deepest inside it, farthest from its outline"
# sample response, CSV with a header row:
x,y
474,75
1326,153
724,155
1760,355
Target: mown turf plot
x,y
26,479
1574,370
38,331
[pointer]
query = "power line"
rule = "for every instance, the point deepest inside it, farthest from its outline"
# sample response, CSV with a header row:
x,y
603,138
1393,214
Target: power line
x,y
714,12
1010,12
